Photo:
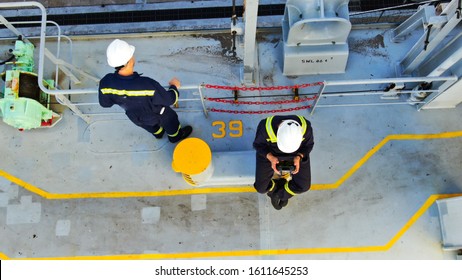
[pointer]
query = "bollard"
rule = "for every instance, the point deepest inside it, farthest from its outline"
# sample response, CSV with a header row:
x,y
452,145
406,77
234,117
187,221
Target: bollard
x,y
193,158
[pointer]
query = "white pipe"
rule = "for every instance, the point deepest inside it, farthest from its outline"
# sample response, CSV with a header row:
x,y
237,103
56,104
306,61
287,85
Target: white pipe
x,y
368,104
391,80
394,7
250,31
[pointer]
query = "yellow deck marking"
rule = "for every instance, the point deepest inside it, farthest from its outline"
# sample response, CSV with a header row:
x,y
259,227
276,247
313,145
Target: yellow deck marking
x,y
230,189
244,253
443,135
253,253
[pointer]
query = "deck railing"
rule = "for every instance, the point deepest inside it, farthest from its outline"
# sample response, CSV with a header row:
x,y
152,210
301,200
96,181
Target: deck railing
x,y
349,88
393,95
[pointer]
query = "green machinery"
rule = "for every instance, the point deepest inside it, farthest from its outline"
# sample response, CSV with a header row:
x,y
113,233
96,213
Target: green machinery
x,y
22,104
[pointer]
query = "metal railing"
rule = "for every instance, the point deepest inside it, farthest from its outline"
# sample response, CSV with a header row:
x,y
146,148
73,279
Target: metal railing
x,y
61,94
384,12
446,82
196,91
58,93
10,25
385,91
41,56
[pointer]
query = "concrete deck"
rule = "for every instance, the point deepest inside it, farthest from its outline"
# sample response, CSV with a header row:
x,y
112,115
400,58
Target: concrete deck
x,y
106,190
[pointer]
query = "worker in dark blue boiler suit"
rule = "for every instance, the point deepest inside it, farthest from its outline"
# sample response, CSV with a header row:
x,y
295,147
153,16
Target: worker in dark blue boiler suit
x,y
145,101
278,139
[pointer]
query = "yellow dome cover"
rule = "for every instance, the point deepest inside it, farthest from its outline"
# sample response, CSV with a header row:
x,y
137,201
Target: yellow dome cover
x,y
191,156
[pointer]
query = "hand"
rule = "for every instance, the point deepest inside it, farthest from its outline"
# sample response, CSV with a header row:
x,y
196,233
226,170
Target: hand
x,y
296,164
175,82
274,160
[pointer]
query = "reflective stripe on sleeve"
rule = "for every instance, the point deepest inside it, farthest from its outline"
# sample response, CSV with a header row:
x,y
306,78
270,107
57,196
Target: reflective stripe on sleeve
x,y
127,92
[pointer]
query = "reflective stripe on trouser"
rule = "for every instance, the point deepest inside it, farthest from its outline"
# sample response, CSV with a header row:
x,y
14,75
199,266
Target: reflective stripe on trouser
x,y
272,186
176,133
168,121
159,131
263,174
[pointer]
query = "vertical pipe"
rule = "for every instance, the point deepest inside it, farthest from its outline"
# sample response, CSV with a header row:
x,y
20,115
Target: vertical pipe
x,y
250,16
320,92
202,100
321,8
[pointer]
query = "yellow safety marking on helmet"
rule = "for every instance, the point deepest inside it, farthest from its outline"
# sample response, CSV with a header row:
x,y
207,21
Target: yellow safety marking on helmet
x,y
122,92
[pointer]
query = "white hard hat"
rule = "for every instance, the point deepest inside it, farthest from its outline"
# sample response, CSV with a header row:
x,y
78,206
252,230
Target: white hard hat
x,y
119,53
289,136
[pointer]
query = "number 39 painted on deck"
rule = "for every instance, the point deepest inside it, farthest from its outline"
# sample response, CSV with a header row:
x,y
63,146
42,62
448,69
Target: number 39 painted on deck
x,y
235,128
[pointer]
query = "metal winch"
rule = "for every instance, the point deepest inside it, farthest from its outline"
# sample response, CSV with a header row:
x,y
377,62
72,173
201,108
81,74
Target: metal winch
x,y
22,104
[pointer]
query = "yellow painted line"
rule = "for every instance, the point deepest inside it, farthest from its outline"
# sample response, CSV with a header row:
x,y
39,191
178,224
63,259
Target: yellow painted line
x,y
150,194
368,155
417,215
253,253
23,184
193,191
243,253
3,256
229,189
219,254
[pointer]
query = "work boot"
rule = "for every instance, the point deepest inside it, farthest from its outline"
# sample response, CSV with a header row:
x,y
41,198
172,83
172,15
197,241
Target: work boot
x,y
271,188
184,133
283,203
276,202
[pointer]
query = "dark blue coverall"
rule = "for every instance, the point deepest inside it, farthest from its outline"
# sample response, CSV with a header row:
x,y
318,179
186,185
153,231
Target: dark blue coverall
x,y
145,101
266,142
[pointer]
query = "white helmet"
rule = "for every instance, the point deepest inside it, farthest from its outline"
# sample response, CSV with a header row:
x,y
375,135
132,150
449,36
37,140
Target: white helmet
x,y
119,53
289,136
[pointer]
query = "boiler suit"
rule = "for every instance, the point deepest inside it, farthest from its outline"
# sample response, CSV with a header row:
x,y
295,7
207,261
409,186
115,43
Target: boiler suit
x,y
145,101
266,142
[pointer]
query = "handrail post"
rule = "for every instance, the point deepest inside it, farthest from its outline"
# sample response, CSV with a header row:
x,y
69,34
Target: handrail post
x,y
320,92
202,100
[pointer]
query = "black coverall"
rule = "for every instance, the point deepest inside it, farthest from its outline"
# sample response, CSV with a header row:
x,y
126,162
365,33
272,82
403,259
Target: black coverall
x,y
146,102
301,182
